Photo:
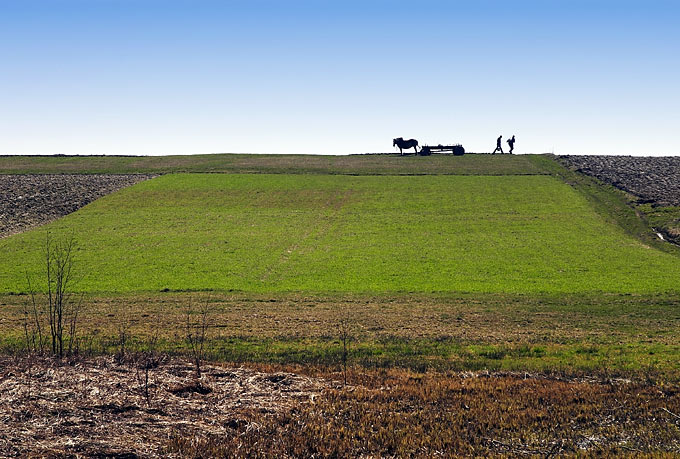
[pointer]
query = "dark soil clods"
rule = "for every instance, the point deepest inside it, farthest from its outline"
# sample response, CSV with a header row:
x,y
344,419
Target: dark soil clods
x,y
654,180
30,200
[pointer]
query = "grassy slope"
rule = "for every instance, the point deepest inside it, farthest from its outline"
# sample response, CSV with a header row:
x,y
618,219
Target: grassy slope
x,y
321,233
612,204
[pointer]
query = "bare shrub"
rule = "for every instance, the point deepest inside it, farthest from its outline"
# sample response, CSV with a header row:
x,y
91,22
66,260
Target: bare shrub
x,y
30,322
147,360
59,310
197,325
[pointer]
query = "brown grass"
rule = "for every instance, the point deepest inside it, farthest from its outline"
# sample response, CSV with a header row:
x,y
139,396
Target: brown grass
x,y
490,319
401,414
96,408
382,164
624,335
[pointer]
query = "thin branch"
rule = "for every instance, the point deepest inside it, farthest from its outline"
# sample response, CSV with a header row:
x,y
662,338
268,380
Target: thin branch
x,y
671,413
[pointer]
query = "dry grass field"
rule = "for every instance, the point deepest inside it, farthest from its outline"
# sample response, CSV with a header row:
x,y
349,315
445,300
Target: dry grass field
x,y
105,407
377,164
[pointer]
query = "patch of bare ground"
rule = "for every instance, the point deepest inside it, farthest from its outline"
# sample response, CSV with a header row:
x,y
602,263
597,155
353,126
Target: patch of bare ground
x,y
105,408
30,200
98,407
652,179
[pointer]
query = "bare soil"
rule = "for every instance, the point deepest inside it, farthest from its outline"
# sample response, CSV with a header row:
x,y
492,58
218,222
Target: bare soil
x,y
654,180
30,200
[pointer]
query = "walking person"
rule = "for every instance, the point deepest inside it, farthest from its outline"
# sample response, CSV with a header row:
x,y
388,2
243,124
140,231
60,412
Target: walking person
x,y
498,145
511,142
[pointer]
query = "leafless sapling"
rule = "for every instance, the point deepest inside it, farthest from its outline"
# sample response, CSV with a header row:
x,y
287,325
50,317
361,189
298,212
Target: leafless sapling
x,y
197,325
147,360
59,306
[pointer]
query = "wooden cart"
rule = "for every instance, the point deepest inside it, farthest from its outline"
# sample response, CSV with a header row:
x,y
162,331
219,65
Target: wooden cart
x,y
427,150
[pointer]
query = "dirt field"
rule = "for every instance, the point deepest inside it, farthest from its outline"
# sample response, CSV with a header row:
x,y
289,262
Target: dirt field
x,y
652,179
30,200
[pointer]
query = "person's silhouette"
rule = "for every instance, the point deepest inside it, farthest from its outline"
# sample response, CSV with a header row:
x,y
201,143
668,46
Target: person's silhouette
x,y
511,142
498,145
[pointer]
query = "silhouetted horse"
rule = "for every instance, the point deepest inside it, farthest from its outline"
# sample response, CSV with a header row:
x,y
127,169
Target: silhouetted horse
x,y
401,143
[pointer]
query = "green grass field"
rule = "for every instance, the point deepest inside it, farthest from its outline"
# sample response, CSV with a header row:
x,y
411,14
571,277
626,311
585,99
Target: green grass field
x,y
347,234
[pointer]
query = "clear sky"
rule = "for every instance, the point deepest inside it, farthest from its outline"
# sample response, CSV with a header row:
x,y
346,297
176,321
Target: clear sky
x,y
193,76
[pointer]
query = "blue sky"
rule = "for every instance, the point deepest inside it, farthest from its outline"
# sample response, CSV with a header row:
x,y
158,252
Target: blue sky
x,y
322,77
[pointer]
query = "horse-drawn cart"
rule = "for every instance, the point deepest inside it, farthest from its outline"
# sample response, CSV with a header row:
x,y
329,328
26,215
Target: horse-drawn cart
x,y
427,150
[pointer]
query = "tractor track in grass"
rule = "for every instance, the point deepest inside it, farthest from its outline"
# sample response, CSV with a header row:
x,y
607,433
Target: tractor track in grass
x,y
334,206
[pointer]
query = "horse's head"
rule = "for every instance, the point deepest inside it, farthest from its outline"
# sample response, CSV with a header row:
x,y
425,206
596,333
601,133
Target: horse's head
x,y
397,140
